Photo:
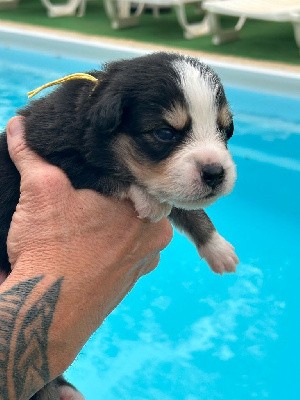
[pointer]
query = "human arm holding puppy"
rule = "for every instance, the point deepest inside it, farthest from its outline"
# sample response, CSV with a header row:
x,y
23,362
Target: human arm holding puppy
x,y
75,255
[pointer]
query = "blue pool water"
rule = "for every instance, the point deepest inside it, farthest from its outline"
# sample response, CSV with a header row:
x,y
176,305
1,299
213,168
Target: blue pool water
x,y
185,333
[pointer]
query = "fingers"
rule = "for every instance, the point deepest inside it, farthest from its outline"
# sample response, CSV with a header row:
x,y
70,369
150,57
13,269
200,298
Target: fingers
x,y
166,233
151,264
161,233
67,392
160,237
18,151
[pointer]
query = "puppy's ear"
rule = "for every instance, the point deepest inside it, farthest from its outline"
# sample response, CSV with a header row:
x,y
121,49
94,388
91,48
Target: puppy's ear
x,y
103,119
106,111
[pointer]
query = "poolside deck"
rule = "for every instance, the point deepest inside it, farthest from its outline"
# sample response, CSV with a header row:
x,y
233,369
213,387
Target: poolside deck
x,y
262,43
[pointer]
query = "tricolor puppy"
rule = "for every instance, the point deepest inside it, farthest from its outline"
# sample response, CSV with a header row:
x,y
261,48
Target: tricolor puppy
x,y
153,129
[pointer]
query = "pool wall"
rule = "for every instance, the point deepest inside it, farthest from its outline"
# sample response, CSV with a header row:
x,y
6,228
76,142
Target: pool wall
x,y
260,79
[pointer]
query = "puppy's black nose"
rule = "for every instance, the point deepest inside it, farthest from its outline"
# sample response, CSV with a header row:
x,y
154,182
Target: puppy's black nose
x,y
212,174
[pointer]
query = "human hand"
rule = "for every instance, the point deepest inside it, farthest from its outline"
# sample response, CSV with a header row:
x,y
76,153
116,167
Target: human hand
x,y
94,246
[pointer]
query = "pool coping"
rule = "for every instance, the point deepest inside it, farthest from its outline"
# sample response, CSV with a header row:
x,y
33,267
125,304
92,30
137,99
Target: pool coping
x,y
239,72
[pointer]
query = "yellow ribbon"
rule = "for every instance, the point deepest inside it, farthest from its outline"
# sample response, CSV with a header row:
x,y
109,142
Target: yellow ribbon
x,y
62,80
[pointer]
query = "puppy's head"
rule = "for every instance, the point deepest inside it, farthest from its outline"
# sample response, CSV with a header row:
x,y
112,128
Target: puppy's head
x,y
168,122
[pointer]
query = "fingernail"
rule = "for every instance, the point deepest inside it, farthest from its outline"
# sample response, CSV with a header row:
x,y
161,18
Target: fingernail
x,y
14,126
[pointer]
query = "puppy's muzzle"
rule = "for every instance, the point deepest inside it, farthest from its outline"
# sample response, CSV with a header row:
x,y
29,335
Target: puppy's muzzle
x,y
212,174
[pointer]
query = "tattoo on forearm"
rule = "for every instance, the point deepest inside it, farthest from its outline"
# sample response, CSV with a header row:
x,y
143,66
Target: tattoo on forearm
x,y
23,343
11,303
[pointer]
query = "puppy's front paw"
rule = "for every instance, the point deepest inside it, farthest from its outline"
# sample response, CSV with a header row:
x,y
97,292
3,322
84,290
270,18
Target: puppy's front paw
x,y
147,206
219,254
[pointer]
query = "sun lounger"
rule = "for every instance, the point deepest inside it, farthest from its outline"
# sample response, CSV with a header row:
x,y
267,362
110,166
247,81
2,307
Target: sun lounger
x,y
267,10
6,4
70,7
121,14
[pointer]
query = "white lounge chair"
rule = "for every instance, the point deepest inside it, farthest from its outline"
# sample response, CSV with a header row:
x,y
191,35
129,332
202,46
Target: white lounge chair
x,y
70,7
267,10
119,11
7,4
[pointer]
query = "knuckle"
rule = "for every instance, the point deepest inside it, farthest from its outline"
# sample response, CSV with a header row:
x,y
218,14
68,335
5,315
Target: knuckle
x,y
167,233
152,264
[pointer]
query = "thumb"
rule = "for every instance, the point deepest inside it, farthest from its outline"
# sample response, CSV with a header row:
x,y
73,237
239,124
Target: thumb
x,y
22,157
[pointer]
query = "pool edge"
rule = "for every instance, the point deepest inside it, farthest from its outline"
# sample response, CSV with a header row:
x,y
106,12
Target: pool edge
x,y
248,76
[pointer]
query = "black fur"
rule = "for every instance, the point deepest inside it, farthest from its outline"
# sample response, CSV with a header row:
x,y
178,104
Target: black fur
x,y
75,125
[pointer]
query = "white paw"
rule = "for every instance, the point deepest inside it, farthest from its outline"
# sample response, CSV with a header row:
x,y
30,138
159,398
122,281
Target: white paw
x,y
219,254
147,206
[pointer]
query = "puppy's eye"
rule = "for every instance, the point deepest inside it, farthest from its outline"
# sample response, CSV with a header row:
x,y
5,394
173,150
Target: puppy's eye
x,y
229,130
166,135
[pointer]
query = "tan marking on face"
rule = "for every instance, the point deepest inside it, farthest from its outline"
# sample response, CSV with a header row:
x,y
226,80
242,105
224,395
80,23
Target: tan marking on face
x,y
177,116
141,169
153,175
224,117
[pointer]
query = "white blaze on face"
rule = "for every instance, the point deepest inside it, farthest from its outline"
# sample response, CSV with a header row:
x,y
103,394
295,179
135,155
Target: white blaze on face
x,y
200,94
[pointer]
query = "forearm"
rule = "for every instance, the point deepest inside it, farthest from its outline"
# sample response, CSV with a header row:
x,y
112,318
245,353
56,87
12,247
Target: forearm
x,y
41,331
47,317
28,314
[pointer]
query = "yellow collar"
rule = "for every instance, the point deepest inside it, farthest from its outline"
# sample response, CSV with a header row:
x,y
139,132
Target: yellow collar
x,y
62,80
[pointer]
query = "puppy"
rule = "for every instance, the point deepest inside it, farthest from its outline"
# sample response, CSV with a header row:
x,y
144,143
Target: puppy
x,y
153,129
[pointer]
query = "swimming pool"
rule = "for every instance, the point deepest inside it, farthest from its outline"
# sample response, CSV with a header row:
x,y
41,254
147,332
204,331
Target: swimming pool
x,y
184,333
